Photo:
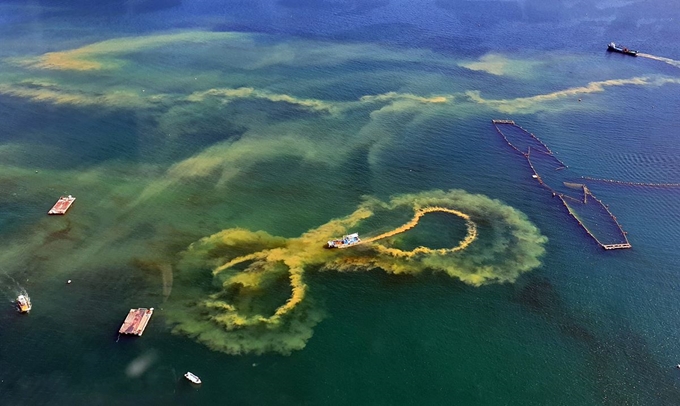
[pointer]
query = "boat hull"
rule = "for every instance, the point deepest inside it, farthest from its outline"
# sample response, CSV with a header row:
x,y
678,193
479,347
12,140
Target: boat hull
x,y
23,304
346,241
193,378
622,50
340,244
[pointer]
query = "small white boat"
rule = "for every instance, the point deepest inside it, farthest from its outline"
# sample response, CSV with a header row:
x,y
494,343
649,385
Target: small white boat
x,y
24,304
193,378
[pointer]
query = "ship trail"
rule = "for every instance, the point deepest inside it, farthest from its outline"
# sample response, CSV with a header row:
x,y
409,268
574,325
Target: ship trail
x,y
669,61
166,274
629,183
11,292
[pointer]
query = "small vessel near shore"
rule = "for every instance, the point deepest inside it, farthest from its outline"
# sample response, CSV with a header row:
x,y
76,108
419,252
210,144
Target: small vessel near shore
x,y
346,241
24,304
193,378
612,47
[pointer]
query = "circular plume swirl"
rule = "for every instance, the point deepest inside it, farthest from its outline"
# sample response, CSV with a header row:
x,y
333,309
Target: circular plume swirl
x,y
250,295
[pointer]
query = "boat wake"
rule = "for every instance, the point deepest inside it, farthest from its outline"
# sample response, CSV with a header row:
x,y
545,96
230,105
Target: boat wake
x,y
669,61
629,183
10,288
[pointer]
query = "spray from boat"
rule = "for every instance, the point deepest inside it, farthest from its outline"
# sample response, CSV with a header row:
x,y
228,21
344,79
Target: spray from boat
x,y
15,293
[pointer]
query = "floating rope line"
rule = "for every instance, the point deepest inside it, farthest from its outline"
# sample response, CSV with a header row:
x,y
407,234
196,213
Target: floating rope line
x,y
621,239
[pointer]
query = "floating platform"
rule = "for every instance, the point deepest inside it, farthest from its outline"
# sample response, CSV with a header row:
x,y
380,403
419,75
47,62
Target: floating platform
x,y
62,205
616,246
136,321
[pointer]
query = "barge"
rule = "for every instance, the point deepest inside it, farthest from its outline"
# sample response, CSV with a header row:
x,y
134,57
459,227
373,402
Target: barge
x,y
346,241
612,47
62,205
136,321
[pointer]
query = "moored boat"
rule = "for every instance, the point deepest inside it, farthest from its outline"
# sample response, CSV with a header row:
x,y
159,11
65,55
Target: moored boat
x,y
193,378
346,241
24,304
136,321
62,205
617,48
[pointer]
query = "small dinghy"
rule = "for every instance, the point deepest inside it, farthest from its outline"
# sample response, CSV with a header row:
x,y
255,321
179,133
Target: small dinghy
x,y
193,378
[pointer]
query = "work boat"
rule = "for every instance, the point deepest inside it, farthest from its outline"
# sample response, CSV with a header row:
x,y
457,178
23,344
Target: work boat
x,y
193,378
618,48
346,241
24,303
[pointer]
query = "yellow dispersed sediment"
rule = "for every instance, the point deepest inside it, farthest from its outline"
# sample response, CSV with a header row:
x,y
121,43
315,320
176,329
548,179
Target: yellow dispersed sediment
x,y
469,238
241,316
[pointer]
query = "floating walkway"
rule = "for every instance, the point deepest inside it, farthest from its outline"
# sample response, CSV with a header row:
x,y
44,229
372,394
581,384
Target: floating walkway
x,y
136,321
615,237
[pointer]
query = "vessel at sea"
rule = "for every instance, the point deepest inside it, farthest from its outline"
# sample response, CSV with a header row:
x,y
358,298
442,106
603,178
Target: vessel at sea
x,y
193,378
63,204
24,304
346,241
612,47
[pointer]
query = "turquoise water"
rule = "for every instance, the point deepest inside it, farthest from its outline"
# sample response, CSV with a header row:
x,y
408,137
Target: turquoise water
x,y
174,122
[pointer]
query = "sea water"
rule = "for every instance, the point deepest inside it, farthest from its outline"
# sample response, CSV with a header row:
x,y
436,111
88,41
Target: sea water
x,y
172,121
